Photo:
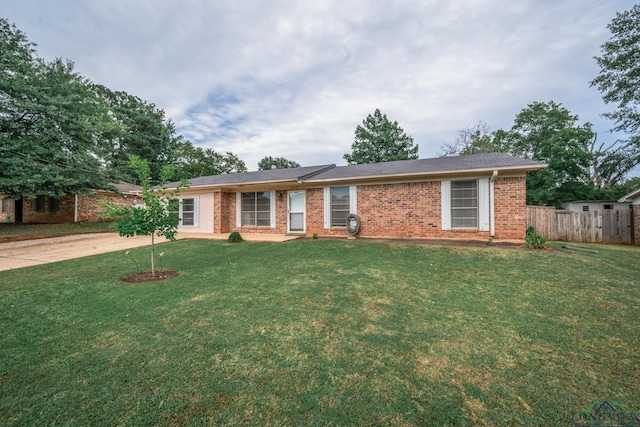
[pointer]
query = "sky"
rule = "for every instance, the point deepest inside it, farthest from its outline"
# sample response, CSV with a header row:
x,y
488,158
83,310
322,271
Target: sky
x,y
294,79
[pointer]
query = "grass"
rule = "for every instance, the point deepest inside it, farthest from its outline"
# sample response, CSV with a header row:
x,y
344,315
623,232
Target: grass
x,y
321,332
10,230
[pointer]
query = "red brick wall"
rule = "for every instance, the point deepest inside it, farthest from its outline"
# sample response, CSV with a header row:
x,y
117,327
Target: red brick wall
x,y
510,207
404,210
413,210
10,215
65,212
90,208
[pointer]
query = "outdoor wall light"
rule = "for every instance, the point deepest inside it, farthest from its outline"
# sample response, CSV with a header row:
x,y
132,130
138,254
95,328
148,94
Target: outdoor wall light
x,y
280,196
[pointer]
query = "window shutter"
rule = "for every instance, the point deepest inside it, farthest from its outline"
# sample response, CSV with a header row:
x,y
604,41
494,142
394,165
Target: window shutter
x,y
327,208
272,198
483,204
445,202
238,210
353,199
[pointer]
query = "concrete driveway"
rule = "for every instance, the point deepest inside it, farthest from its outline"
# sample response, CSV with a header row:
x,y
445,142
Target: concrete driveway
x,y
42,251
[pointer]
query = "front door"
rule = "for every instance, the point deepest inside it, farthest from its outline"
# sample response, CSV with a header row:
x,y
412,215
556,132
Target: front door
x,y
296,212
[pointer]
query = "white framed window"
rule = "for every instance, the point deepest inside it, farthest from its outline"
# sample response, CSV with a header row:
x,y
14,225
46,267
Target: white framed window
x,y
465,204
339,202
187,210
256,209
6,206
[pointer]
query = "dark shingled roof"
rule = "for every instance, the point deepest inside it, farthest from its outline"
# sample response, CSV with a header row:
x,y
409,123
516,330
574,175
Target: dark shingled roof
x,y
440,165
272,175
429,166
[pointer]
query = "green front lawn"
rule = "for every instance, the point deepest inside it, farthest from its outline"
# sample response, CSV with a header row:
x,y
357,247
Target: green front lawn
x,y
321,332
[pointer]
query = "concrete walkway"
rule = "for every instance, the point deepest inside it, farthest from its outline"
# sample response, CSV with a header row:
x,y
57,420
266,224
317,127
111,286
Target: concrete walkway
x,y
28,253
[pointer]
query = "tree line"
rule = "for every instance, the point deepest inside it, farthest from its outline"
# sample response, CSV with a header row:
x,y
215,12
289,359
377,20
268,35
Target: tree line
x,y
61,133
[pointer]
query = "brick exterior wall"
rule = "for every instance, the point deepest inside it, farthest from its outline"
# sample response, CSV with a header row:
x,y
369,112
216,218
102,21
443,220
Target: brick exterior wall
x,y
63,214
402,210
8,216
510,207
89,207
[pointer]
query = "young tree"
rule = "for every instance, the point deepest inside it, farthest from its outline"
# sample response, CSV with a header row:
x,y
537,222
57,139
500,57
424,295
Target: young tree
x,y
268,162
380,140
155,216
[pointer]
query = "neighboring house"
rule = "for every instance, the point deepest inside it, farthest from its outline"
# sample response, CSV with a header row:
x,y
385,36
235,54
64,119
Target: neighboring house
x,y
634,199
475,196
595,205
68,208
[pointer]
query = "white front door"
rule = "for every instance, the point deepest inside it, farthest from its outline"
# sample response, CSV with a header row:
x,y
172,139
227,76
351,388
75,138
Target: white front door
x,y
296,223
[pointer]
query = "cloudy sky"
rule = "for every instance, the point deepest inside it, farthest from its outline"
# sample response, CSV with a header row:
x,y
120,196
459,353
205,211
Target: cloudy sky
x,y
295,78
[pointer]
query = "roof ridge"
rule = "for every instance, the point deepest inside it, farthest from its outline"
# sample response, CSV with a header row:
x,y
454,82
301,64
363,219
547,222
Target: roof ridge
x,y
314,173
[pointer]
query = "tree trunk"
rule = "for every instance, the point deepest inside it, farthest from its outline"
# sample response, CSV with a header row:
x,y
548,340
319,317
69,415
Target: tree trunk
x,y
153,250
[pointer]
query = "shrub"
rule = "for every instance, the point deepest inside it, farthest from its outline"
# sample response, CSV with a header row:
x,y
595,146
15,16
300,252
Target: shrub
x,y
235,237
534,241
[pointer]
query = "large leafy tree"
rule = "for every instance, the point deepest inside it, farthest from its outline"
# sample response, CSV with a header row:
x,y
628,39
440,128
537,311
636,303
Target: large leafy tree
x,y
619,83
140,129
619,77
268,162
191,162
548,132
380,140
474,139
51,123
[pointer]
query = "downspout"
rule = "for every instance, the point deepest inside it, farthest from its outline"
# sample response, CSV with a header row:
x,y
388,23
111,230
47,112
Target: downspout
x,y
75,209
492,207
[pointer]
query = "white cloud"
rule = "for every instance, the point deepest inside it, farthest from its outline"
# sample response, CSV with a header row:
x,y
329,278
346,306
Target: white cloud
x,y
274,78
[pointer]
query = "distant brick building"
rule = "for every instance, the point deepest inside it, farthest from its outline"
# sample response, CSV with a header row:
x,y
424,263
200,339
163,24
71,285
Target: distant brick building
x,y
68,208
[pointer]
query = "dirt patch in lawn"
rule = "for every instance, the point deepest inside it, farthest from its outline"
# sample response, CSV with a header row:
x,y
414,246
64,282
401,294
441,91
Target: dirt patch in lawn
x,y
147,276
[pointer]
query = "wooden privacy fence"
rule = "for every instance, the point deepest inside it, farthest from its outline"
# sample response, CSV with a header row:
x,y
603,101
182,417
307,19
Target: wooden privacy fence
x,y
604,226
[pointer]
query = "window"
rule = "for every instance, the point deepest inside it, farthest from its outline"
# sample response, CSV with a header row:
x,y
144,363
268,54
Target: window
x,y
339,202
256,209
186,209
40,204
54,204
6,206
608,206
464,204
339,206
188,214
